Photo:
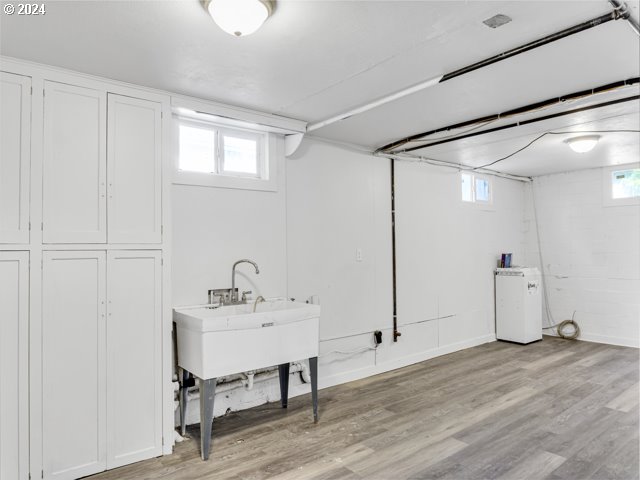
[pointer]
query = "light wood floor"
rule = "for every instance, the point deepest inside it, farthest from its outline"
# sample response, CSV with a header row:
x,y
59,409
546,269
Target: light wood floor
x,y
555,409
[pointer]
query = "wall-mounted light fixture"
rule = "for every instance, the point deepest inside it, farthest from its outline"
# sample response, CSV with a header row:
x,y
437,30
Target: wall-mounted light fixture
x,y
239,17
584,143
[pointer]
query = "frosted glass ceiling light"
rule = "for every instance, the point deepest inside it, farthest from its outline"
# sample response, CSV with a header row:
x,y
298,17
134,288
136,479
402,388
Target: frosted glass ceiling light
x,y
239,17
584,143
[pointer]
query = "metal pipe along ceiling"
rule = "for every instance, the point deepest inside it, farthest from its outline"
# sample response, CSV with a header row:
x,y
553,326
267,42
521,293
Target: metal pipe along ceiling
x,y
391,148
625,14
620,11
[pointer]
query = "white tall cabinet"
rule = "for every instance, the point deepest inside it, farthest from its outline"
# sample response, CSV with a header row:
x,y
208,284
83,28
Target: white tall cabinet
x,y
73,363
14,351
134,339
85,323
101,334
134,170
75,165
15,121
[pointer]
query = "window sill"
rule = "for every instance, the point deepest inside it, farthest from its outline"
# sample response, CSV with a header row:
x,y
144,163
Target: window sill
x,y
224,181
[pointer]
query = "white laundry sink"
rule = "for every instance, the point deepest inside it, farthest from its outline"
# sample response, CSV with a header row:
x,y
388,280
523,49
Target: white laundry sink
x,y
213,342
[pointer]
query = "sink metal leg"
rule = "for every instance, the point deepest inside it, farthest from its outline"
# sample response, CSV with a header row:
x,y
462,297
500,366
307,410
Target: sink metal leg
x,y
313,370
207,394
183,401
283,374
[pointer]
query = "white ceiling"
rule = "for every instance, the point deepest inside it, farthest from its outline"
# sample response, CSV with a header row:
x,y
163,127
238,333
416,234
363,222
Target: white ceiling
x,y
550,154
315,59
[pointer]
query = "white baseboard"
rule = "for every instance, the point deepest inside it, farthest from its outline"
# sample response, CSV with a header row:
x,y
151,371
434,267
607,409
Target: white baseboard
x,y
622,341
360,373
591,337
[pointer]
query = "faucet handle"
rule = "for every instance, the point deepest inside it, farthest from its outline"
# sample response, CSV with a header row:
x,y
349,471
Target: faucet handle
x,y
244,295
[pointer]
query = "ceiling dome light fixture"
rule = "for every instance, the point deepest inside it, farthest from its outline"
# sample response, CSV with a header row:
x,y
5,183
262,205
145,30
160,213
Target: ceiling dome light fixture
x,y
239,17
584,143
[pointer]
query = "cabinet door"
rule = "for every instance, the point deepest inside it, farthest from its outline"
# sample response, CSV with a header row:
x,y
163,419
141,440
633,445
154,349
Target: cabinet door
x,y
73,364
134,170
14,363
134,362
74,170
15,125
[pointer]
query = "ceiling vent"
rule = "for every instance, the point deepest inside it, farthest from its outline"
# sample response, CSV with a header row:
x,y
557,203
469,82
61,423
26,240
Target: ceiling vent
x,y
497,20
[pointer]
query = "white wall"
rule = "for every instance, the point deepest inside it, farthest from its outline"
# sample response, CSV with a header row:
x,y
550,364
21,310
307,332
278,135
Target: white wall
x,y
338,200
591,255
214,227
447,251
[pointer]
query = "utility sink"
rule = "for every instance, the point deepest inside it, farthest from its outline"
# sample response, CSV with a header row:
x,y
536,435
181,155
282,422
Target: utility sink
x,y
217,341
213,342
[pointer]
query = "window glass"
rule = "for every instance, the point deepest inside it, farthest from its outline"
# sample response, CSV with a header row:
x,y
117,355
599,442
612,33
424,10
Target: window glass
x,y
482,190
240,155
625,183
197,149
467,188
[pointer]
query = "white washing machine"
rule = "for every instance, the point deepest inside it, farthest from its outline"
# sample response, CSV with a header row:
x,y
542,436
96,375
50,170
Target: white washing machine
x,y
518,304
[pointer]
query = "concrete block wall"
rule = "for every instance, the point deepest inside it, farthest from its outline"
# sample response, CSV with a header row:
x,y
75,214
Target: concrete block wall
x,y
591,255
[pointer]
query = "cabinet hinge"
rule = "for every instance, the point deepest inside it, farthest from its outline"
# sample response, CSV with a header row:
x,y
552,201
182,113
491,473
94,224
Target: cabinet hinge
x,y
29,226
162,261
42,226
41,473
31,94
161,229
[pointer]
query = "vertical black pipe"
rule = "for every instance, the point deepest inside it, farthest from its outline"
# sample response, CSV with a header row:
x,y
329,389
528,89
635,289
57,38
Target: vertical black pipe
x,y
396,333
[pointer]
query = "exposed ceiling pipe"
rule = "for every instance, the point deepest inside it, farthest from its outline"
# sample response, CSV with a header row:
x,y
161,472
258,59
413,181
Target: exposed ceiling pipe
x,y
625,14
499,116
614,15
633,98
376,103
452,165
594,22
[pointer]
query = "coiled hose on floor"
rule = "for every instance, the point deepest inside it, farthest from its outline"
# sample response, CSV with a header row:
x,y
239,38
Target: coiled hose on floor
x,y
570,336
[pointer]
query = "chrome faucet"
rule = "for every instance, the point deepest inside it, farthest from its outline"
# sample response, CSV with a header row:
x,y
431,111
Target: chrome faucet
x,y
234,293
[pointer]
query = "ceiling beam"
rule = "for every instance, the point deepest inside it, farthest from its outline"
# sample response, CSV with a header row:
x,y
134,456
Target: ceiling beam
x,y
525,122
499,116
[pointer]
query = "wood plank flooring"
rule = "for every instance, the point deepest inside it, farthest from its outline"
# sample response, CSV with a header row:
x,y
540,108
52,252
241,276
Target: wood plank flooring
x,y
553,410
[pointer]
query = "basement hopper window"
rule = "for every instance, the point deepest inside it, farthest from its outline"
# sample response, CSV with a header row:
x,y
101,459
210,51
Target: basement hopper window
x,y
219,156
476,189
621,185
625,183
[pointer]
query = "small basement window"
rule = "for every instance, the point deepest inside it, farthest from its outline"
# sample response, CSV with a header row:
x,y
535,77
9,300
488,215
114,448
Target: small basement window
x,y
476,188
214,155
625,183
240,154
197,149
621,185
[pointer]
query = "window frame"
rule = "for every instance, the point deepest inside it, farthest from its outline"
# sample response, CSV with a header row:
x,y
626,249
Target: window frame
x,y
261,164
475,191
266,180
607,186
197,124
474,200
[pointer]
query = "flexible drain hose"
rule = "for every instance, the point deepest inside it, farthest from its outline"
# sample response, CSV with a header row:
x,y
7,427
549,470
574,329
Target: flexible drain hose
x,y
571,336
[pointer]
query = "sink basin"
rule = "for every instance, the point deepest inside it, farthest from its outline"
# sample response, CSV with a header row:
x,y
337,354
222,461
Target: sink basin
x,y
213,342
